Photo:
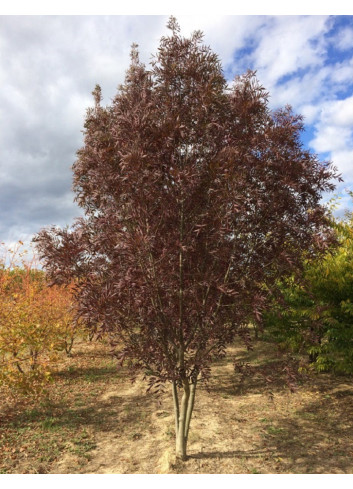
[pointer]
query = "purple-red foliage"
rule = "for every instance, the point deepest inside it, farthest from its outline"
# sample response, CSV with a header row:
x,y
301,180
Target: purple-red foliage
x,y
195,196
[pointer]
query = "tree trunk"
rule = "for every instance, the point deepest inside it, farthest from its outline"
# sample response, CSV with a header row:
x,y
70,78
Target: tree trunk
x,y
190,408
176,406
183,415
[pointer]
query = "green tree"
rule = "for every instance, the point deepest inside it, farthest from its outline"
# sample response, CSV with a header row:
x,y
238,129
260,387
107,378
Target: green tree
x,y
316,315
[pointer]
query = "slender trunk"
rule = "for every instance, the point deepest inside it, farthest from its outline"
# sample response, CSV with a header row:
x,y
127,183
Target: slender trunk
x,y
68,346
190,408
183,417
176,406
180,435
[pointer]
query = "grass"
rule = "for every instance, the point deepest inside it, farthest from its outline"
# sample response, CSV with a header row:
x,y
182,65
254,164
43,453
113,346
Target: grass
x,y
95,420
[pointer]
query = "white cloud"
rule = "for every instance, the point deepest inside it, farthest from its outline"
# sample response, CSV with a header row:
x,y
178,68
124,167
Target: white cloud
x,y
301,90
338,112
334,134
342,73
343,159
224,33
309,112
330,138
288,44
344,39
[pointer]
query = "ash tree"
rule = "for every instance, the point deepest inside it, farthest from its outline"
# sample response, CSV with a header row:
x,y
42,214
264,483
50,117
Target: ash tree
x,y
197,198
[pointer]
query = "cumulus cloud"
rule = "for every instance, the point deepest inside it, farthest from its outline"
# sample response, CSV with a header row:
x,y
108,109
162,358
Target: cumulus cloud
x,y
330,138
344,39
338,112
341,73
288,44
334,134
225,34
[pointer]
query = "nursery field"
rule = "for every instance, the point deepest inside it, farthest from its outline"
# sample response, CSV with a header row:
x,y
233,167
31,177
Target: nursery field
x,y
93,419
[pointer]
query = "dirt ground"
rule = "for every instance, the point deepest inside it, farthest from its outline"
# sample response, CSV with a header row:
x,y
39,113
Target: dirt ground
x,y
97,421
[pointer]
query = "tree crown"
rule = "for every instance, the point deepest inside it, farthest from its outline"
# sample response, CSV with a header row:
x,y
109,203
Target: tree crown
x,y
197,198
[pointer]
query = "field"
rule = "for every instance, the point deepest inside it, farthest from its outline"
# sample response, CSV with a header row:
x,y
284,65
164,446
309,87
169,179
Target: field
x,y
95,420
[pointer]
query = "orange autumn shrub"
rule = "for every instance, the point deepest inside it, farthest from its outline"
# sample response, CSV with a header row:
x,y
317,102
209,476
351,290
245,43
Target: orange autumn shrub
x,y
36,323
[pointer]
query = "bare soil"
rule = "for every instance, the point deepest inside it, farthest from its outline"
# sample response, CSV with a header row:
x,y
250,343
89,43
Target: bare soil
x,y
96,421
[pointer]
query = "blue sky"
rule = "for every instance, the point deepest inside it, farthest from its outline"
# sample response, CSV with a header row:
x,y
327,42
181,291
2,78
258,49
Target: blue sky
x,y
49,66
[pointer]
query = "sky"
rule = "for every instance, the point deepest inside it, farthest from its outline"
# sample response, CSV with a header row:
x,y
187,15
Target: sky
x,y
49,66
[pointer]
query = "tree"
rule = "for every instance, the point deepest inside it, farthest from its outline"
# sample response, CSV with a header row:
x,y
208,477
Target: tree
x,y
195,195
316,316
35,323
